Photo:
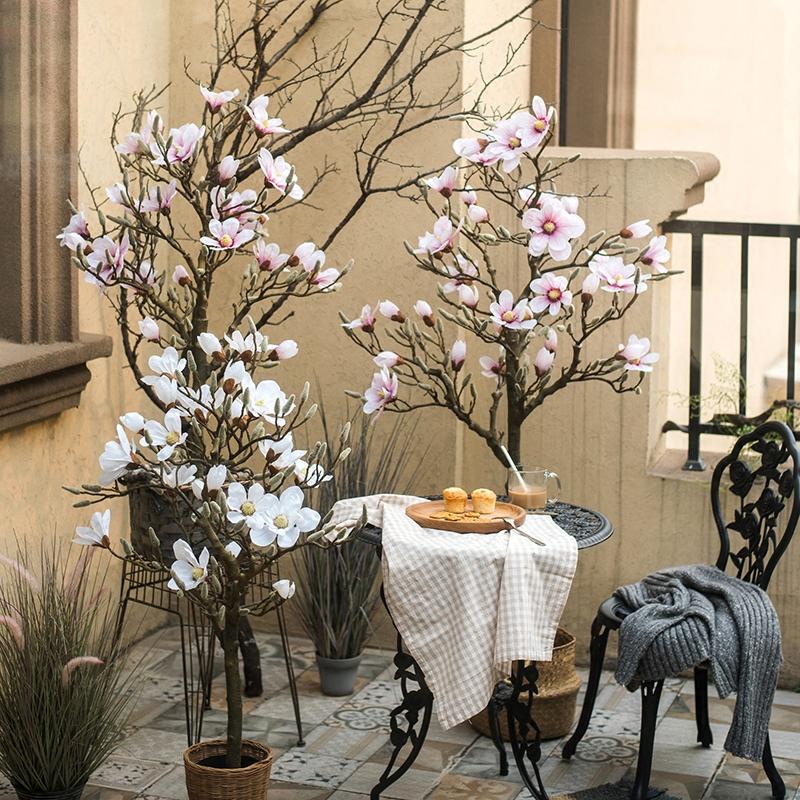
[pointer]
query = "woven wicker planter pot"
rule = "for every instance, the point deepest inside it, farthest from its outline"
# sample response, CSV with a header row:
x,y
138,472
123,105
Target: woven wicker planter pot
x,y
205,782
554,706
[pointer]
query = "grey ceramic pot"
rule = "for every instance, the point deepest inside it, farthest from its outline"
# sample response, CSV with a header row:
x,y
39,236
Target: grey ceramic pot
x,y
337,676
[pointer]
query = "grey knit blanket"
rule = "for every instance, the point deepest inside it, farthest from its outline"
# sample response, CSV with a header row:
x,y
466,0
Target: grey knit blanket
x,y
685,616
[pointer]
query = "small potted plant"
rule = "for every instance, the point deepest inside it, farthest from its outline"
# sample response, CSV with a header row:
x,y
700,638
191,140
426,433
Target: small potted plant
x,y
338,588
65,695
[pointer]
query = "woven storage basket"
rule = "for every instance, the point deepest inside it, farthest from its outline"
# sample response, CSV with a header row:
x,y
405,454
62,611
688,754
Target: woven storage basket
x,y
218,783
554,706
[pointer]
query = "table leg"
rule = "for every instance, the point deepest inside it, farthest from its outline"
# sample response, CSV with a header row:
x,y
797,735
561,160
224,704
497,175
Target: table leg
x,y
522,728
409,721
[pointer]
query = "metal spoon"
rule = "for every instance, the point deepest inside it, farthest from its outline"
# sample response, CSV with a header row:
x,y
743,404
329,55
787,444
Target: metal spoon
x,y
512,527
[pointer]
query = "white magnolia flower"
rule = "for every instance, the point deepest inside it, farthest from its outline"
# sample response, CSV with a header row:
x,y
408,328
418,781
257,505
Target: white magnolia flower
x,y
182,476
234,548
262,402
166,389
188,571
285,519
215,478
246,346
168,363
285,588
248,505
96,535
116,457
310,474
283,453
133,421
167,436
148,327
210,344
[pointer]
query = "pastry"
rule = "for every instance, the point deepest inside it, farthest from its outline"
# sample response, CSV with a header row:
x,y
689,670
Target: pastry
x,y
455,500
483,500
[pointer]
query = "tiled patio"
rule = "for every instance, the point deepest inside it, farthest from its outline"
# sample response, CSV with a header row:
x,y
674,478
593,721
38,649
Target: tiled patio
x,y
346,741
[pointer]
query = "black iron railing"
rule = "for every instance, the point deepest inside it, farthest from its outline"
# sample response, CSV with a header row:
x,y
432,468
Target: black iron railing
x,y
732,424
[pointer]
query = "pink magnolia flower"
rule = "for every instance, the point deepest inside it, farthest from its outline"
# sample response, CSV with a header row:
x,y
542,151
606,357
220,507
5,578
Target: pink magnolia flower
x,y
184,143
365,321
277,174
468,295
325,278
507,140
444,183
618,276
656,255
492,367
458,354
551,293
227,169
391,311
146,275
469,196
382,392
590,285
227,235
543,361
441,239
537,124
636,354
280,352
552,226
462,273
181,276
148,327
118,194
477,214
143,141
107,260
216,100
425,312
551,340
75,233
268,256
507,315
308,256
474,149
159,198
636,230
387,359
262,121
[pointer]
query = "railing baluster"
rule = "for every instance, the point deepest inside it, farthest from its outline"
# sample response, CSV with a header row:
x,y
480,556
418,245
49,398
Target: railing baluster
x,y
743,279
792,333
693,461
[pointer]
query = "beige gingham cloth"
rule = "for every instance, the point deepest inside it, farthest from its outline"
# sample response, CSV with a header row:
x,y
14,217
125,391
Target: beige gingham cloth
x,y
467,605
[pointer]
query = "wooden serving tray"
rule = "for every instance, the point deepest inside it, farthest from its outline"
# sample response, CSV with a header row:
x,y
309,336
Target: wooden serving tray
x,y
486,523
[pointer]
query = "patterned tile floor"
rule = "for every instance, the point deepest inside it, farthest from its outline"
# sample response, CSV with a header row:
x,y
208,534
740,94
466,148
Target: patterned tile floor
x,y
346,743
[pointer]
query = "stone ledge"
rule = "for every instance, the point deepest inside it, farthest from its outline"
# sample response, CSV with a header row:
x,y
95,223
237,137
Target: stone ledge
x,y
670,466
40,380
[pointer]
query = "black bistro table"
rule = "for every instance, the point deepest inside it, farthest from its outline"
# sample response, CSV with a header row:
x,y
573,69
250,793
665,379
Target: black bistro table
x,y
409,721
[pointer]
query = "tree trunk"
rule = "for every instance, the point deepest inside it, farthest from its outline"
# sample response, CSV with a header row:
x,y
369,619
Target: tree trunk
x,y
251,659
233,687
513,416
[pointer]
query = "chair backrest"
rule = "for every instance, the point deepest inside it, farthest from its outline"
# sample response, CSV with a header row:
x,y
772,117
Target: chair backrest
x,y
764,473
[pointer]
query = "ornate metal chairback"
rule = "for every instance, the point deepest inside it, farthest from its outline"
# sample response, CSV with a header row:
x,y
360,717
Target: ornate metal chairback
x,y
764,473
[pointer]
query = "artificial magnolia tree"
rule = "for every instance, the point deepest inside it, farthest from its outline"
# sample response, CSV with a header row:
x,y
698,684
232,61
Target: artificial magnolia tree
x,y
532,337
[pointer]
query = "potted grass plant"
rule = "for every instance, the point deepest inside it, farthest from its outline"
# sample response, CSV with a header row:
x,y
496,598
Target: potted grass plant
x,y
65,694
339,587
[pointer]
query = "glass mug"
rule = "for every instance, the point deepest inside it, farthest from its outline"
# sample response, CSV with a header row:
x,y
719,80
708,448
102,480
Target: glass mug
x,y
528,487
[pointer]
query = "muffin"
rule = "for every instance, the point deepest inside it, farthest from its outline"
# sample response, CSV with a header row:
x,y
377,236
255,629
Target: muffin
x,y
483,500
455,500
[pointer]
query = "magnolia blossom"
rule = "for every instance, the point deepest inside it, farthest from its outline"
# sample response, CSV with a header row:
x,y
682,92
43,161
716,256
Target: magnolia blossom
x,y
133,421
215,479
551,340
143,141
468,295
210,345
618,276
551,294
268,256
590,285
310,475
458,354
263,400
235,204
656,255
383,390
262,122
245,346
280,453
180,274
462,273
536,125
477,214
507,140
227,169
188,571
543,361
365,320
507,315
441,239
248,505
115,458
285,588
285,519
492,367
552,226
308,256
636,354
391,311
107,260
96,535
184,141
474,149
387,358
636,230
235,375
425,312
168,363
444,183
288,348
75,233
182,476
277,173
325,278
148,327
167,436
118,194
216,100
227,235
159,198
146,273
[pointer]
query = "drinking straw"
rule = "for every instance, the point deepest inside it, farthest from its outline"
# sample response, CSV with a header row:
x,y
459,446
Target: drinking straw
x,y
512,465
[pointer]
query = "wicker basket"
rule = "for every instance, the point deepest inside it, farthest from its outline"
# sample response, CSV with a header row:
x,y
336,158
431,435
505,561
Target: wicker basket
x,y
218,783
554,706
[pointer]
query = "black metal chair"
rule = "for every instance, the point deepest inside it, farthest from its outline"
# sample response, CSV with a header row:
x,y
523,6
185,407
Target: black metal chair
x,y
762,494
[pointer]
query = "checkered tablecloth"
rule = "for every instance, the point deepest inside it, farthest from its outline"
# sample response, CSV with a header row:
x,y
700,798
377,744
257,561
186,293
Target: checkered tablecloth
x,y
468,605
